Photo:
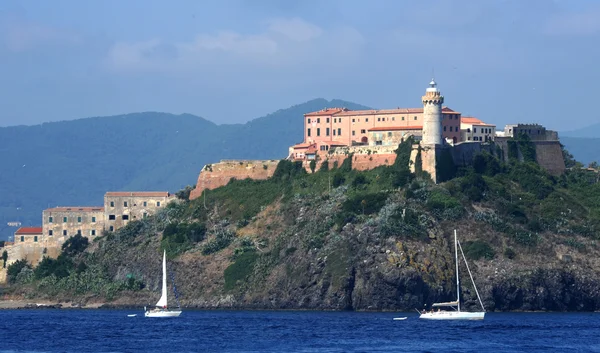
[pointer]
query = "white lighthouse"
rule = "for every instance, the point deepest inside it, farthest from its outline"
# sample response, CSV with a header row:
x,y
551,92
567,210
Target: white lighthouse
x,y
432,115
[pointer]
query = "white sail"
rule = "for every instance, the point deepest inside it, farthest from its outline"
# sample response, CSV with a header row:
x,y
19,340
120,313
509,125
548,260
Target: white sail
x,y
162,302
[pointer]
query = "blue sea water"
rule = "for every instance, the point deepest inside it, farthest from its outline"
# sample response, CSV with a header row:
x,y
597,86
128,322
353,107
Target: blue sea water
x,y
48,330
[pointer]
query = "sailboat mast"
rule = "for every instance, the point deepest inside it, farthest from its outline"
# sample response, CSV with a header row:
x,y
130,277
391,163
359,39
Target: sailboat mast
x,y
164,283
456,261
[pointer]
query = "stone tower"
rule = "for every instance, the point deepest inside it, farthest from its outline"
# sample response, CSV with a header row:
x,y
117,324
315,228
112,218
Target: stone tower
x,y
432,115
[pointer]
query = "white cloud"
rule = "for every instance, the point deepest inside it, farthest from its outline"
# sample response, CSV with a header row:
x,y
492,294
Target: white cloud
x,y
20,35
295,29
286,43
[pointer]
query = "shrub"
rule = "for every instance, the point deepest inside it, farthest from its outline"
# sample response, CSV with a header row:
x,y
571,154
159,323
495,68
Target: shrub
x,y
220,242
509,253
324,166
364,203
75,245
475,250
338,179
359,180
313,165
239,270
15,268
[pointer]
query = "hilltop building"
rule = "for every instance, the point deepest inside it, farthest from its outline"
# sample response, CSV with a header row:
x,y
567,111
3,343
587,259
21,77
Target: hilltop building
x,y
372,136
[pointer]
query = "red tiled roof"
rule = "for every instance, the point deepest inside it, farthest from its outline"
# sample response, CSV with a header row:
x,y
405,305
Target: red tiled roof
x,y
473,120
302,145
73,209
29,230
326,111
381,111
138,193
395,128
311,150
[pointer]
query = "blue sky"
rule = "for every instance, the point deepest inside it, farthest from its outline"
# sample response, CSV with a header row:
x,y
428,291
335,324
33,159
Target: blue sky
x,y
230,61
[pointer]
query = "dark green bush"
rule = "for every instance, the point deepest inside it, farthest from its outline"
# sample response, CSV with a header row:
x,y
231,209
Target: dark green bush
x,y
75,245
13,270
477,249
239,270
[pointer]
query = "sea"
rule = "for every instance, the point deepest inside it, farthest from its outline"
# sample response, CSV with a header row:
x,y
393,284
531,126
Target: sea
x,y
97,330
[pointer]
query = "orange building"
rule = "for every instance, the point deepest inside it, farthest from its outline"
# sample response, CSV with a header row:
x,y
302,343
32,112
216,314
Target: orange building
x,y
332,127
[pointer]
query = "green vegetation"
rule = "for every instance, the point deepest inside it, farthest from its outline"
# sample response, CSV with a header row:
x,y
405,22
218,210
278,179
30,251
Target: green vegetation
x,y
238,271
475,250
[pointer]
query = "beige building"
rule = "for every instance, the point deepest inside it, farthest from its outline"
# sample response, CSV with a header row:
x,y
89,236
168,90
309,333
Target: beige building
x,y
475,130
535,132
28,235
124,206
392,136
59,223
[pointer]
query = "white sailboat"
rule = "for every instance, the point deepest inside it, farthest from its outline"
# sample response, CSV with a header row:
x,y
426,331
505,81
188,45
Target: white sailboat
x,y
161,309
455,313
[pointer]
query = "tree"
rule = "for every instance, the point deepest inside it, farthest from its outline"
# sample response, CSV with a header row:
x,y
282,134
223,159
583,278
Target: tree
x,y
313,165
184,194
4,258
14,269
75,244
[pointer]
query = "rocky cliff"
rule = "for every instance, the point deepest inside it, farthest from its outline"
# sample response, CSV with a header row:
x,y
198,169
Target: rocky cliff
x,y
363,240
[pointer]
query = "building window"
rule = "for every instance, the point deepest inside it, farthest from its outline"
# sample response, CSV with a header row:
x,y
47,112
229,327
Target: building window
x,y
363,131
308,132
35,238
378,119
450,128
124,203
49,219
111,217
112,204
415,118
92,232
333,132
111,228
390,134
352,120
469,138
393,118
474,129
65,233
318,132
125,217
50,233
158,204
22,238
65,219
353,132
468,129
318,120
327,120
145,203
78,219
367,120
335,120
402,118
327,132
78,231
93,219
309,120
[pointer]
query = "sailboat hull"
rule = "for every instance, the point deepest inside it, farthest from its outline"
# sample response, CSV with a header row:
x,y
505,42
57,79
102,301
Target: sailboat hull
x,y
452,315
163,313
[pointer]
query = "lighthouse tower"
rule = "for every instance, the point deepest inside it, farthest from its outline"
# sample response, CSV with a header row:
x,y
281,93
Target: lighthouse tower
x,y
432,115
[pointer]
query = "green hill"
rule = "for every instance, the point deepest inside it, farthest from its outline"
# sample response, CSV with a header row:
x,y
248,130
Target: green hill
x,y
585,150
343,239
73,163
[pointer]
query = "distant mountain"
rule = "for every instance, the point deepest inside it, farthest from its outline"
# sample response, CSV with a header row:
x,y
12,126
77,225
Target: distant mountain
x,y
592,131
585,150
73,163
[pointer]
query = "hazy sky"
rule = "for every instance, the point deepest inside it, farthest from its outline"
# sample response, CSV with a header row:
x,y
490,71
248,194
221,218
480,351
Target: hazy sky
x,y
234,60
